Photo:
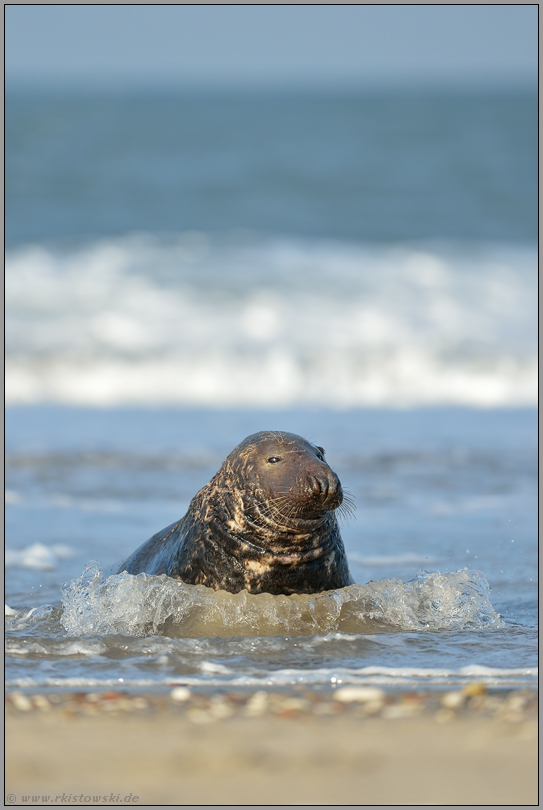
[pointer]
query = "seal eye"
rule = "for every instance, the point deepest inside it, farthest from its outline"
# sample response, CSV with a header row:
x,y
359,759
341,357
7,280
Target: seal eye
x,y
273,459
320,454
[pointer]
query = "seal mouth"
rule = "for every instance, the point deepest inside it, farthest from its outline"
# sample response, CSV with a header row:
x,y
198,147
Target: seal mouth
x,y
319,494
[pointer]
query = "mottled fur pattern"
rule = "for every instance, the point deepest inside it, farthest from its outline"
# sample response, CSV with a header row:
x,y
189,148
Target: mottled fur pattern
x,y
264,523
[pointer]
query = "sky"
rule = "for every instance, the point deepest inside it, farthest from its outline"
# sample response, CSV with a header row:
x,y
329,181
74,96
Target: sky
x,y
257,45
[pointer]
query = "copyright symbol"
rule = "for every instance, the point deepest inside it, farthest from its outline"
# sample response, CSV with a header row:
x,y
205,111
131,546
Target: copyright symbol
x,y
11,798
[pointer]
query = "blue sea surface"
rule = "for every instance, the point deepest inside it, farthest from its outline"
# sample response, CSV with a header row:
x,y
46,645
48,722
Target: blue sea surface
x,y
374,166
445,503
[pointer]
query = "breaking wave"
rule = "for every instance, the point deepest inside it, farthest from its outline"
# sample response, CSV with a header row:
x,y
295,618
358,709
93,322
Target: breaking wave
x,y
245,321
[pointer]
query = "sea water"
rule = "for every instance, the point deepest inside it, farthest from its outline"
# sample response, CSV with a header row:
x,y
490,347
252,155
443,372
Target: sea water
x,y
184,270
443,549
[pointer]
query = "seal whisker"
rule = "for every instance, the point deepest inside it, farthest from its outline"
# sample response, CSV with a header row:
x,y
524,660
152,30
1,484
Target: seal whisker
x,y
344,514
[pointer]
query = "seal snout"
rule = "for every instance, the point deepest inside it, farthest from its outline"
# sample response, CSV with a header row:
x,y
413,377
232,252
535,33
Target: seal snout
x,y
325,487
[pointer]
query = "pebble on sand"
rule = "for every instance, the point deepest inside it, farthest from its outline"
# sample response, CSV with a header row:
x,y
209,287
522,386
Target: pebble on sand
x,y
180,694
360,694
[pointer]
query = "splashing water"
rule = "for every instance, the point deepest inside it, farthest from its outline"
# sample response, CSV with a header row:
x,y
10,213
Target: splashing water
x,y
146,605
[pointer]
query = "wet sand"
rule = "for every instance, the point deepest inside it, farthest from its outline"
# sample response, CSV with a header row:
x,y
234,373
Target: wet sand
x,y
365,747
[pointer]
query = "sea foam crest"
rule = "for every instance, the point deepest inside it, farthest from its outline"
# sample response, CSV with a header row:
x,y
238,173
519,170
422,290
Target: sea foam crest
x,y
276,322
145,605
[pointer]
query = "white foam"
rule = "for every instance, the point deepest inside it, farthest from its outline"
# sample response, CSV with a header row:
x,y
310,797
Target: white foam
x,y
46,558
53,648
403,677
270,323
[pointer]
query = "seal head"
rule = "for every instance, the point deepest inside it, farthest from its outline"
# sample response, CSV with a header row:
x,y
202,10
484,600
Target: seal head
x,y
265,523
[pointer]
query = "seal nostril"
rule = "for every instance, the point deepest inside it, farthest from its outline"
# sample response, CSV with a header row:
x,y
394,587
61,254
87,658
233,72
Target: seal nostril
x,y
333,485
318,485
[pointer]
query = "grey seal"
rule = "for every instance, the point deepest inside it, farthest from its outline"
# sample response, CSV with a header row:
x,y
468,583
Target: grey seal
x,y
266,522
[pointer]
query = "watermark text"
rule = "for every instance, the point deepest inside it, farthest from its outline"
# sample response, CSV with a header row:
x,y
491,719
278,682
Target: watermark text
x,y
73,798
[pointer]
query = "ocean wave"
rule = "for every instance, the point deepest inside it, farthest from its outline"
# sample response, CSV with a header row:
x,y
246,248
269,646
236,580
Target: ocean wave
x,y
196,320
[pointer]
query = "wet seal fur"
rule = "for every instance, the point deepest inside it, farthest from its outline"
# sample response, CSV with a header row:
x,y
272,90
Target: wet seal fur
x,y
265,523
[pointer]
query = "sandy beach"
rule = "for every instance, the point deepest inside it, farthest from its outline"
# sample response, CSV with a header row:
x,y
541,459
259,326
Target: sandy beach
x,y
367,747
